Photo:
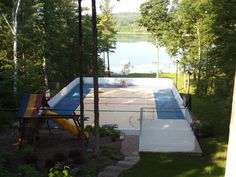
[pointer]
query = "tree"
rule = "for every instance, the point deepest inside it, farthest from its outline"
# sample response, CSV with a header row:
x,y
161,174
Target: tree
x,y
95,78
154,16
193,37
224,45
106,27
13,29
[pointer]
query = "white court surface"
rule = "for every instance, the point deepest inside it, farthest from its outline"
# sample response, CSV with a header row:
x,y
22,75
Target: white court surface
x,y
120,106
167,136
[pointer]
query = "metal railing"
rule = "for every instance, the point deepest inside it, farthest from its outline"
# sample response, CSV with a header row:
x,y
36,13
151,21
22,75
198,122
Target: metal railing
x,y
147,113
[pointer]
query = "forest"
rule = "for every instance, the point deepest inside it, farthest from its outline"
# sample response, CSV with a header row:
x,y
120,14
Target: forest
x,y
47,47
128,23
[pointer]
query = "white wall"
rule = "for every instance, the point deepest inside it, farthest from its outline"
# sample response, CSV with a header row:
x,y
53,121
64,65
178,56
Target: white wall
x,y
58,97
231,156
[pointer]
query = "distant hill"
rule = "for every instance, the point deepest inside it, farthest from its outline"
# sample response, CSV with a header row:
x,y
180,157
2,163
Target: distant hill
x,y
127,23
126,18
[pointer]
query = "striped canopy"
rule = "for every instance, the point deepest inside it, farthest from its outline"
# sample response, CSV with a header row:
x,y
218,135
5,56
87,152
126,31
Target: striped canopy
x,y
30,105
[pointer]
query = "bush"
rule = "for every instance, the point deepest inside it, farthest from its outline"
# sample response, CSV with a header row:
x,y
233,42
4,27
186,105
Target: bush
x,y
203,130
105,131
89,128
6,120
91,170
28,171
60,171
4,156
114,134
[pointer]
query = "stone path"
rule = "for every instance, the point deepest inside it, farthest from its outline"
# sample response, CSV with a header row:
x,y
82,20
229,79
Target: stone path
x,y
130,148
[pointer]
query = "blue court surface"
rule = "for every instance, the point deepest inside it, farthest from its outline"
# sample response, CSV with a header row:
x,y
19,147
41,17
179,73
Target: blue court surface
x,y
166,105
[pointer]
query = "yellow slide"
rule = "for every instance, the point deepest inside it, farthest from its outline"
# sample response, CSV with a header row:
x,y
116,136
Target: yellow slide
x,y
66,125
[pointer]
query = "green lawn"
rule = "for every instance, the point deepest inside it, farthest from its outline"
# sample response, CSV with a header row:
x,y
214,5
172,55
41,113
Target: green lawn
x,y
211,164
211,111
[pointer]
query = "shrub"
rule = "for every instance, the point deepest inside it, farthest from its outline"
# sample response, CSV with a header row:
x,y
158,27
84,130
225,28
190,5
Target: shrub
x,y
28,171
60,171
203,130
89,128
91,170
4,156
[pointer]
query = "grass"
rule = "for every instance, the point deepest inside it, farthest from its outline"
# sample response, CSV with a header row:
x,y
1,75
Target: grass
x,y
211,164
137,75
208,109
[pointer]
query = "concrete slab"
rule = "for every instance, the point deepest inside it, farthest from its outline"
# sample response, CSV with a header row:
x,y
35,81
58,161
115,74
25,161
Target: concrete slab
x,y
168,136
120,106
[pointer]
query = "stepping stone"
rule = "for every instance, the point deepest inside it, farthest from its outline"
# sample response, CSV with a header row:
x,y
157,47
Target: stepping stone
x,y
125,164
132,158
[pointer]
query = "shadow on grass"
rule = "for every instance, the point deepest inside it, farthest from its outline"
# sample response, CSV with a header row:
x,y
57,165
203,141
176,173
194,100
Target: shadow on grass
x,y
212,163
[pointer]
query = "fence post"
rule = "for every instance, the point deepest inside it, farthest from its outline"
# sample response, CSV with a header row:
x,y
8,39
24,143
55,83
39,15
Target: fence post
x,y
141,120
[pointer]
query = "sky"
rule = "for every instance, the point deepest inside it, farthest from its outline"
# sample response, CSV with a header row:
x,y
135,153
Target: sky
x,y
119,6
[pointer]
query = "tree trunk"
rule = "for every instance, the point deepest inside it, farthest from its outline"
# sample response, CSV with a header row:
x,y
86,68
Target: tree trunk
x,y
108,65
158,56
15,59
184,77
199,58
45,73
81,71
95,78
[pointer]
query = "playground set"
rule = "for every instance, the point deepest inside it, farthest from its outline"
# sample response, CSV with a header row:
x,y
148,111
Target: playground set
x,y
35,111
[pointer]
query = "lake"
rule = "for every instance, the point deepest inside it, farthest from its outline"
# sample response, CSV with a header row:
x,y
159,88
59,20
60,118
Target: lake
x,y
141,54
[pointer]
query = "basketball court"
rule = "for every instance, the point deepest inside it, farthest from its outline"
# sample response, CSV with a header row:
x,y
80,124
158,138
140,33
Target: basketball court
x,y
150,108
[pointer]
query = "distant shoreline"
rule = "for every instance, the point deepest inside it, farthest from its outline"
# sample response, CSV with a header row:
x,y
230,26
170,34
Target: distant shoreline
x,y
133,33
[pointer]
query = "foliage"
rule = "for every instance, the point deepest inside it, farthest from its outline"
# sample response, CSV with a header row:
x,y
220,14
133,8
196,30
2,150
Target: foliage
x,y
6,119
202,130
104,132
201,35
128,23
4,157
110,153
155,18
59,171
106,28
91,171
28,170
47,47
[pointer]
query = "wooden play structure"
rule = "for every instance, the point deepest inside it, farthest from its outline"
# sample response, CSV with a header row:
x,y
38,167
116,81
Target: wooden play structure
x,y
35,111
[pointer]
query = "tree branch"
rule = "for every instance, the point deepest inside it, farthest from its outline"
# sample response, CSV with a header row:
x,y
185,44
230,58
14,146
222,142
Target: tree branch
x,y
8,24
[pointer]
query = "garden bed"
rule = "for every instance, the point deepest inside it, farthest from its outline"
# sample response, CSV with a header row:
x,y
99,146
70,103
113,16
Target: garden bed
x,y
58,149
